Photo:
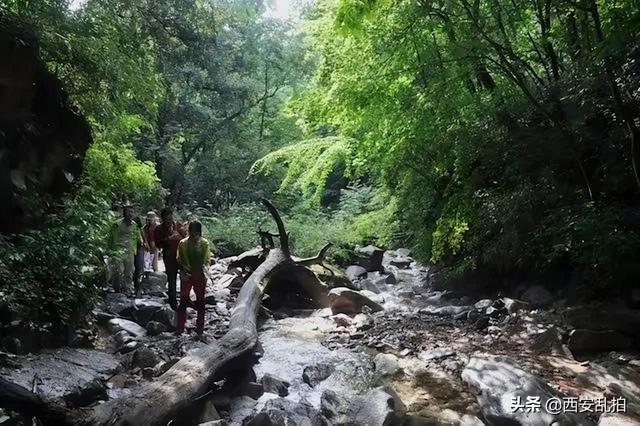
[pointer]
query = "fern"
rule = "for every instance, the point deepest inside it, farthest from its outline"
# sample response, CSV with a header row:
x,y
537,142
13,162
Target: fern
x,y
307,164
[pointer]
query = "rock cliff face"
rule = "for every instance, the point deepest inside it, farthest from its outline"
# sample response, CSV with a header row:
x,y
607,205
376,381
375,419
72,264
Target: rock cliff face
x,y
43,139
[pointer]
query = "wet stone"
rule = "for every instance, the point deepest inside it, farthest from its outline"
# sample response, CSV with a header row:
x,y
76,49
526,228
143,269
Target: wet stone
x,y
312,375
274,384
118,324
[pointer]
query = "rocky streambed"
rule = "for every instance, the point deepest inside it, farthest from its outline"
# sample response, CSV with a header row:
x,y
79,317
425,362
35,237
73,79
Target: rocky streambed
x,y
389,350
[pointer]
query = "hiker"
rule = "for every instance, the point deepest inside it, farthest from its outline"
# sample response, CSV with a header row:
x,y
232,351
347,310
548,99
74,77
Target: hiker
x,y
124,237
167,237
193,258
138,258
149,234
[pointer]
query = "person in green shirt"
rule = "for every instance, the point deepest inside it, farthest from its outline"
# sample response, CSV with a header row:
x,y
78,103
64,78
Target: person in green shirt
x,y
124,237
193,257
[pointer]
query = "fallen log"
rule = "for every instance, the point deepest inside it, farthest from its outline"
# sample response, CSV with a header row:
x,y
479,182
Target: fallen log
x,y
180,387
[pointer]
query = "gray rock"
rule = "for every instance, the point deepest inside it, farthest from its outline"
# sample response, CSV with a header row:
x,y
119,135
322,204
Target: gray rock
x,y
386,364
333,407
144,310
73,375
274,384
483,304
378,407
154,328
537,296
589,341
512,306
436,353
548,342
314,374
497,381
281,411
118,324
355,272
347,301
145,357
370,258
381,279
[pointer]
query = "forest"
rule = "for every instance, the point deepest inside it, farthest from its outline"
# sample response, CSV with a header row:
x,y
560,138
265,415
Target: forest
x,y
489,148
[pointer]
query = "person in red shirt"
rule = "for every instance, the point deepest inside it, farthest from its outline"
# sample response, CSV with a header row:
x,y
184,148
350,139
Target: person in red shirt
x,y
167,238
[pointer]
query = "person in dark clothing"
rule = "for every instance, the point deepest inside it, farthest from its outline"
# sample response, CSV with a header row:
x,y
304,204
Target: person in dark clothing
x,y
167,238
138,261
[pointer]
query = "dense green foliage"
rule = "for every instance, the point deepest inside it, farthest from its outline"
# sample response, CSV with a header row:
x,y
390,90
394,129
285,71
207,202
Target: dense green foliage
x,y
497,138
504,129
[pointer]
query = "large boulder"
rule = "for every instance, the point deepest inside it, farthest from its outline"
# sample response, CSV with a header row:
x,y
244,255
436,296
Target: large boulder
x,y
537,296
72,376
370,258
589,341
347,301
499,384
378,407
